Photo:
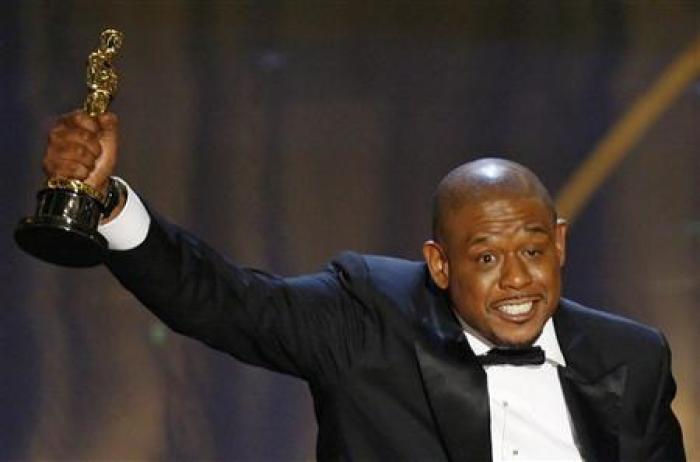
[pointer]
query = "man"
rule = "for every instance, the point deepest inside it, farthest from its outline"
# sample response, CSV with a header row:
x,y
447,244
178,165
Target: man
x,y
471,355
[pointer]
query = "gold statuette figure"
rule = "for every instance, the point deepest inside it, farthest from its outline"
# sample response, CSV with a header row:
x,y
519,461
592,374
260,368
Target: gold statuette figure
x,y
63,229
101,78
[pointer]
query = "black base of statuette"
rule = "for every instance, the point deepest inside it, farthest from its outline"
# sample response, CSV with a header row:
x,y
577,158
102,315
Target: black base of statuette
x,y
63,231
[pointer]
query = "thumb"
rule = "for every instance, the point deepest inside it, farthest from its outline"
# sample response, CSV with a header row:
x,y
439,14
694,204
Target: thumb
x,y
109,125
106,162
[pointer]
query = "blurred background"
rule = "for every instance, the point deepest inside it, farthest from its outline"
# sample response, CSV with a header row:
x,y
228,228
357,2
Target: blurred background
x,y
284,132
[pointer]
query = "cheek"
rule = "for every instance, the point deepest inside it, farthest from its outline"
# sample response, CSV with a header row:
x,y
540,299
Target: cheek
x,y
549,276
470,287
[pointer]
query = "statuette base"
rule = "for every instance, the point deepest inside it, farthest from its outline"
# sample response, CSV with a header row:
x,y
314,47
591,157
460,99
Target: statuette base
x,y
63,231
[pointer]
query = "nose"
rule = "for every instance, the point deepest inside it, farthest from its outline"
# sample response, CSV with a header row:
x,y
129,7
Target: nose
x,y
514,273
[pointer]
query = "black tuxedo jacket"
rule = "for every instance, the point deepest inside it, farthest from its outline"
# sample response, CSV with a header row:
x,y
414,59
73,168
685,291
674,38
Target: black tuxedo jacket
x,y
391,373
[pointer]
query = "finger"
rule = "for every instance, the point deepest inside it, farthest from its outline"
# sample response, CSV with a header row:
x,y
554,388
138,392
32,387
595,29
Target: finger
x,y
55,166
74,153
79,119
109,124
108,121
65,169
61,126
76,136
60,151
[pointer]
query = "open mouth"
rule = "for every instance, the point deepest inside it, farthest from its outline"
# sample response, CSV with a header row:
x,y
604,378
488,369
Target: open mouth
x,y
518,309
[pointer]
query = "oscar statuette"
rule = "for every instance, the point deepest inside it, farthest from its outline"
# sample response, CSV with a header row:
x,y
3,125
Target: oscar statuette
x,y
63,229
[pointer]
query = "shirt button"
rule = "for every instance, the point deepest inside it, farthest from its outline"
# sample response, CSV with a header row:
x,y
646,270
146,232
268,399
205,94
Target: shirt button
x,y
515,452
505,403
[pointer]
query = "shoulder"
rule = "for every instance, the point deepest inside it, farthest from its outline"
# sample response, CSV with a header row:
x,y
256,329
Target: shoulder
x,y
607,323
618,332
384,281
380,270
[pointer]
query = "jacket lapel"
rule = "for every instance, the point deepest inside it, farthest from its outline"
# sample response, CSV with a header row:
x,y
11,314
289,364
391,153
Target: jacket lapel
x,y
592,389
454,382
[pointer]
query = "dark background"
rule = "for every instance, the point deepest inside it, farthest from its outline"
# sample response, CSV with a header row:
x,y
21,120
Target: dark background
x,y
285,132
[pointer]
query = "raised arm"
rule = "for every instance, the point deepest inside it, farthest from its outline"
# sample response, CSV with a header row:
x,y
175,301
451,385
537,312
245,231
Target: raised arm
x,y
305,326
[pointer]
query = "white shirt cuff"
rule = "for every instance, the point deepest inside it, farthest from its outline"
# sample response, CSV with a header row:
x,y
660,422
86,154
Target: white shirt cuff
x,y
128,229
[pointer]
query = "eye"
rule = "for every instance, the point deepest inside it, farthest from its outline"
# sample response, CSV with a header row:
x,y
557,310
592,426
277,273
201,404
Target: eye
x,y
532,252
486,258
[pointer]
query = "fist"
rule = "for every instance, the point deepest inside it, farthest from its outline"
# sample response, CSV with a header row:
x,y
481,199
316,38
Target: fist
x,y
82,148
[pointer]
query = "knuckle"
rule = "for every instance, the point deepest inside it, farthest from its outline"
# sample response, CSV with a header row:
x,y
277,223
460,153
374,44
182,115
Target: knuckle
x,y
80,173
81,152
72,151
51,153
56,135
75,170
85,157
61,171
47,164
85,136
73,119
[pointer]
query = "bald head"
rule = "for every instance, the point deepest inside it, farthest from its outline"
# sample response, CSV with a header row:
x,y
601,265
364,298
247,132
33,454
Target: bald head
x,y
481,180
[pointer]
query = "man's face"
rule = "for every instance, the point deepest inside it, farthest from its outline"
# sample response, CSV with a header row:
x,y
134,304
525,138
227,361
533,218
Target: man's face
x,y
500,260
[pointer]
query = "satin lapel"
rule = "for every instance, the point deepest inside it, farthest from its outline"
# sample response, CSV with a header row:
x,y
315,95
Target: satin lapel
x,y
595,408
459,399
454,382
593,390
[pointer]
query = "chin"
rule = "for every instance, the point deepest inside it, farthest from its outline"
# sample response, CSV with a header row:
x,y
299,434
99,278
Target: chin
x,y
517,341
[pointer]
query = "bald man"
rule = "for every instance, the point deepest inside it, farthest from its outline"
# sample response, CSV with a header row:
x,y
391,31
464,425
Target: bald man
x,y
471,355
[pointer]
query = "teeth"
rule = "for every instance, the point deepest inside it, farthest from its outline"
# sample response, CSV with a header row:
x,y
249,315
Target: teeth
x,y
513,310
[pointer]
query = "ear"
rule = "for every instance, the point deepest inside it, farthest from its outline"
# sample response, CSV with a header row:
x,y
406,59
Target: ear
x,y
560,239
437,262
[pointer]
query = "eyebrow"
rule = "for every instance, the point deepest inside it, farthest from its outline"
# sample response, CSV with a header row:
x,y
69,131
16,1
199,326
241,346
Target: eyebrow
x,y
534,228
477,240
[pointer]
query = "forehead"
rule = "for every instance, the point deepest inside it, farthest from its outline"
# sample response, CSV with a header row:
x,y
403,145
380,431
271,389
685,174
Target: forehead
x,y
496,215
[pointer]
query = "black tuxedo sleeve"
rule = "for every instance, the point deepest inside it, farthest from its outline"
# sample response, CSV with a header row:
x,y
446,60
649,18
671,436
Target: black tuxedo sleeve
x,y
305,326
663,434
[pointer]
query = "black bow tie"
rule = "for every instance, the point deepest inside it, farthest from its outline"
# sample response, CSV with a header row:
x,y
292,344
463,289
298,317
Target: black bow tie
x,y
514,356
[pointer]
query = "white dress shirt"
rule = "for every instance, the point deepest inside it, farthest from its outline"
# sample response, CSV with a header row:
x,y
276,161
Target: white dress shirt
x,y
529,417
